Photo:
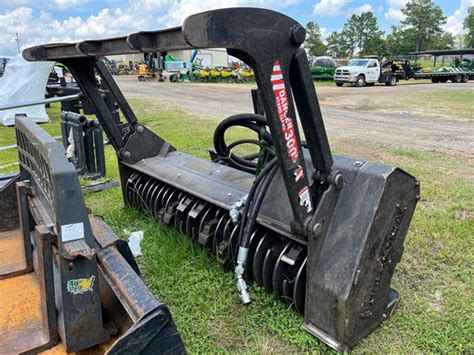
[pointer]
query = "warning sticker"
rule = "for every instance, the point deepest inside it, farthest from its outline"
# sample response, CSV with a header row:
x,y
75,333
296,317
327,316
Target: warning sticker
x,y
288,129
305,199
72,231
79,286
299,174
287,125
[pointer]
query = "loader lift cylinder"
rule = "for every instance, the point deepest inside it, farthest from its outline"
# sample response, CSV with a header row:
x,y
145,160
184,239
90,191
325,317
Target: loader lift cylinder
x,y
326,225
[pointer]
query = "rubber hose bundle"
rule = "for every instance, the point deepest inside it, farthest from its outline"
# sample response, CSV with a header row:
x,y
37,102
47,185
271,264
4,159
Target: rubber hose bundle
x,y
254,202
268,168
254,122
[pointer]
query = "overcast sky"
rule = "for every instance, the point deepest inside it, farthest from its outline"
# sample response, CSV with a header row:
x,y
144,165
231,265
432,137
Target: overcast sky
x,y
45,21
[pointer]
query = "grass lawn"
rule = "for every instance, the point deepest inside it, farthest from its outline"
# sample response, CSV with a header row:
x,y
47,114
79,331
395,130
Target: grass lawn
x,y
435,277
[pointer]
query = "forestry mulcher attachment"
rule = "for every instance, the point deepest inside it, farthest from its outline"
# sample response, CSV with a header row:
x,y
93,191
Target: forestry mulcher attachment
x,y
323,233
66,281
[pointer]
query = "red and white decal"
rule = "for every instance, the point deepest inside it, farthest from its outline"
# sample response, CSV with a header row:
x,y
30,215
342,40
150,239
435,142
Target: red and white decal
x,y
299,174
287,126
305,199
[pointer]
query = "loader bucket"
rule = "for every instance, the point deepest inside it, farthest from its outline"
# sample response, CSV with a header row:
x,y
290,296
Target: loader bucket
x,y
68,284
323,233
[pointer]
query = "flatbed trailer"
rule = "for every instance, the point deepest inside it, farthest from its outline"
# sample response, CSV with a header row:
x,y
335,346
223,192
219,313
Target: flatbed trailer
x,y
459,74
371,71
443,77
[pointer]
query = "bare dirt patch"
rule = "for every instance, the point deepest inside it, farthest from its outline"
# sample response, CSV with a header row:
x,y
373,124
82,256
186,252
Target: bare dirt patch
x,y
463,214
343,115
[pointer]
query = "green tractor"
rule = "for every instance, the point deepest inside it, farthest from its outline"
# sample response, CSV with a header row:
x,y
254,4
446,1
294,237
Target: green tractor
x,y
323,68
179,68
467,65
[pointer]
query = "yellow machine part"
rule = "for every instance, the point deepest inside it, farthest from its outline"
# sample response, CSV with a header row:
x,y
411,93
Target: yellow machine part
x,y
21,320
21,316
11,253
22,323
246,73
143,70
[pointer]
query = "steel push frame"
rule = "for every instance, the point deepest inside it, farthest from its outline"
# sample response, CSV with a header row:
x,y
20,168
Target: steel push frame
x,y
88,282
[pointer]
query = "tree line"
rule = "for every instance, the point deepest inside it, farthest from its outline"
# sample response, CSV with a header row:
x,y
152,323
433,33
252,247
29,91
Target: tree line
x,y
421,29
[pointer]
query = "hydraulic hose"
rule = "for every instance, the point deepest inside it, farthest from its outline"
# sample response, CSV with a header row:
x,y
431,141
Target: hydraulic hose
x,y
264,165
251,163
247,223
254,122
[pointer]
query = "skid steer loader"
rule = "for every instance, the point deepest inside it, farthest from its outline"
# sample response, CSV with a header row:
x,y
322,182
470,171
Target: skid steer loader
x,y
321,232
67,283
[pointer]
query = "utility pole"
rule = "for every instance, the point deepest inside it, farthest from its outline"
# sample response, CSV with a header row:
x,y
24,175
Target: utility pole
x,y
17,39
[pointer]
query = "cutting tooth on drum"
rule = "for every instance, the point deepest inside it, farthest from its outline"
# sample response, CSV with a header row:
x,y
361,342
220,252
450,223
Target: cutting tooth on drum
x,y
274,261
270,260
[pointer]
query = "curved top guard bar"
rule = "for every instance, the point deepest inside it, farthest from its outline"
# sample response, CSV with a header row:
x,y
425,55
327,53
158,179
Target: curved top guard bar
x,y
235,28
268,42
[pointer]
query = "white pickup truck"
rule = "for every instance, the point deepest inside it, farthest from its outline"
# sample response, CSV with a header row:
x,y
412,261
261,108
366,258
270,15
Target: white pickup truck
x,y
364,72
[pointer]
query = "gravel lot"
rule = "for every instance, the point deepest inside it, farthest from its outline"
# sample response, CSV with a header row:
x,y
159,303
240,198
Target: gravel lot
x,y
343,115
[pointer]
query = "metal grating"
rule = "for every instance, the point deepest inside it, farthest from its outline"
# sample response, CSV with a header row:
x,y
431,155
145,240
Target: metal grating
x,y
37,166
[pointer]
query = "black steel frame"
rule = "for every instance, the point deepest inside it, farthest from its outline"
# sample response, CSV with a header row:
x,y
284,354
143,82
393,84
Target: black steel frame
x,y
267,41
350,216
89,158
86,276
